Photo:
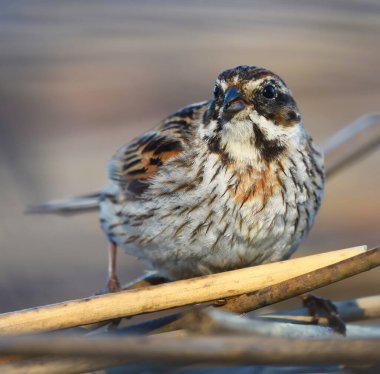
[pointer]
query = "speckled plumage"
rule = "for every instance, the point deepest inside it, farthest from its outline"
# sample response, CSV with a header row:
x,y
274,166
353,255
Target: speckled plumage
x,y
223,184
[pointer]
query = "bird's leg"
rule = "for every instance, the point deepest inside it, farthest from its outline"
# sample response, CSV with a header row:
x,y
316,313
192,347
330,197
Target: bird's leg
x,y
318,306
113,284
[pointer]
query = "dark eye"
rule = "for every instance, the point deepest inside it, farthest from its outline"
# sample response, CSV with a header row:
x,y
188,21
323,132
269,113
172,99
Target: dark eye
x,y
269,91
216,90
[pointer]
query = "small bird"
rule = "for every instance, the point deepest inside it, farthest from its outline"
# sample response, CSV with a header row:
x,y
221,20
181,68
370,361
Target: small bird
x,y
222,184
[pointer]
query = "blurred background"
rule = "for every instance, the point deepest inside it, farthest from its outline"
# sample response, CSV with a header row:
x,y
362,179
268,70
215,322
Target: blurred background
x,y
78,79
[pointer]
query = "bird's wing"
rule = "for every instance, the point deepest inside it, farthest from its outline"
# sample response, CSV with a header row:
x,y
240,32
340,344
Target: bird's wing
x,y
133,165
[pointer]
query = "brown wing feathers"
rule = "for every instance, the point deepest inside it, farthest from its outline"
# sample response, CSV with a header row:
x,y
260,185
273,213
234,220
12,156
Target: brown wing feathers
x,y
149,156
136,162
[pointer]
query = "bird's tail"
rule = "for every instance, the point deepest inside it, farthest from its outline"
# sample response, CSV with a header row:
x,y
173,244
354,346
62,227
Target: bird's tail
x,y
74,205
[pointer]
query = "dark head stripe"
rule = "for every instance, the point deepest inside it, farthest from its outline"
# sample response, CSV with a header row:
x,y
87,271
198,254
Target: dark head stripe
x,y
246,73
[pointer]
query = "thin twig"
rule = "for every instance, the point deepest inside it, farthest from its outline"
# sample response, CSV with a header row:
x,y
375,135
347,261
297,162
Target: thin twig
x,y
351,143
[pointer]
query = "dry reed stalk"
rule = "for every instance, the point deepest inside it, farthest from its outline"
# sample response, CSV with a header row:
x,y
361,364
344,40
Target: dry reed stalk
x,y
165,296
242,349
306,282
363,261
292,287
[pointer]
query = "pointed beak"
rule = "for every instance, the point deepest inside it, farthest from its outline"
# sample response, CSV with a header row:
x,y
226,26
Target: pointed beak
x,y
233,102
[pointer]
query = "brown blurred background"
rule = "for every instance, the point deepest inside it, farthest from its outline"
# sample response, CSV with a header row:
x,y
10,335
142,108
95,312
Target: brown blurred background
x,y
78,79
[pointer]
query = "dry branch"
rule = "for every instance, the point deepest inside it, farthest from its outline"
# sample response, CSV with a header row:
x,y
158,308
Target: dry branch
x,y
353,265
218,349
305,282
292,287
165,296
351,143
368,307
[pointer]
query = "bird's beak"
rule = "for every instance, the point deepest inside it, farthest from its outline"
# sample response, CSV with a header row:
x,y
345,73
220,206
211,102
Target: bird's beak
x,y
233,102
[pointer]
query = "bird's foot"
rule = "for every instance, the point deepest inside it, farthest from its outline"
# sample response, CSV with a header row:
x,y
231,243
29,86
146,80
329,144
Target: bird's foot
x,y
319,307
113,285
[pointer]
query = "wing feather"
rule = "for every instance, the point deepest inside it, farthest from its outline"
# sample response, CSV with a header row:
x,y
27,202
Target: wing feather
x,y
134,164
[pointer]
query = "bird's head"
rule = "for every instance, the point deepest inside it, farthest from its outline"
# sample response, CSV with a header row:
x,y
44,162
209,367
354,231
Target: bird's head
x,y
252,116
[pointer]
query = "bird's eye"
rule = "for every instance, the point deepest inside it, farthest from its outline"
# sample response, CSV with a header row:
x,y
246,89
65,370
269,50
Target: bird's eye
x,y
216,90
269,91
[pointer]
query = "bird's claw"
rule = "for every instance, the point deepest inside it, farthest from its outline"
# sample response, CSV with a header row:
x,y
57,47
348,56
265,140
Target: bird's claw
x,y
113,284
319,306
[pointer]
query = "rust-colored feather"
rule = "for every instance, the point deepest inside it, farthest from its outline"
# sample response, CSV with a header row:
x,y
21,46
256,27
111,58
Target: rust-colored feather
x,y
136,163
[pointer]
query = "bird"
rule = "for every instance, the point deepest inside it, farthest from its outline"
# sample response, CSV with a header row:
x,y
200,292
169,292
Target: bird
x,y
222,184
